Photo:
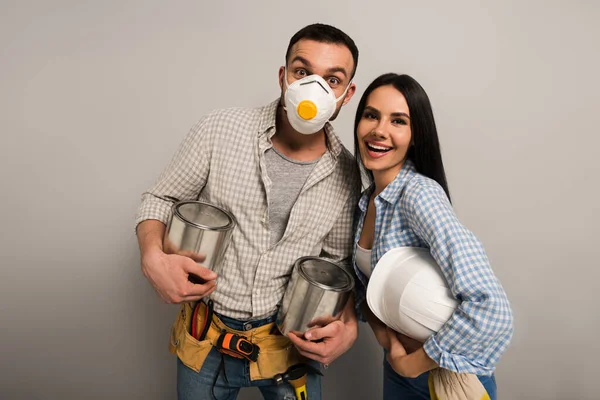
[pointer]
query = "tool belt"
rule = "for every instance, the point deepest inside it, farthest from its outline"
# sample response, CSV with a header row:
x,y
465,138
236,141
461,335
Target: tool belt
x,y
276,354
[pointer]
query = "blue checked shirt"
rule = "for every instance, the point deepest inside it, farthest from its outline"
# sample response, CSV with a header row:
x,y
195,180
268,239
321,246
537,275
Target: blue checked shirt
x,y
414,211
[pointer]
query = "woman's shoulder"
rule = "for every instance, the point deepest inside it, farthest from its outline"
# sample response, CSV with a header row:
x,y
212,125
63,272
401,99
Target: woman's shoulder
x,y
422,189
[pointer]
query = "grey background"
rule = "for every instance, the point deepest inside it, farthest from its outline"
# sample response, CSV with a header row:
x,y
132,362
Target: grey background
x,y
95,96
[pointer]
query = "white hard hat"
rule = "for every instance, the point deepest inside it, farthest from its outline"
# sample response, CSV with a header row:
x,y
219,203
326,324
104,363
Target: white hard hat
x,y
408,293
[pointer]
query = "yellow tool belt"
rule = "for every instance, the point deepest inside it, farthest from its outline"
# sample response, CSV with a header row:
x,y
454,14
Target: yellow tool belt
x,y
277,353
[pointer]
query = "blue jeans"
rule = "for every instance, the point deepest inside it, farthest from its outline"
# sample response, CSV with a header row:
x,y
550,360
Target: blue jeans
x,y
212,383
396,387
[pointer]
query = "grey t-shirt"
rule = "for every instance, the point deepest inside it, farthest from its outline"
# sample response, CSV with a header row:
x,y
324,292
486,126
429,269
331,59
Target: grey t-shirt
x,y
287,179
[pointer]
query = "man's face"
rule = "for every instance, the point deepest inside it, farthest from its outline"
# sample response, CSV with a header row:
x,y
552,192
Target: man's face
x,y
333,62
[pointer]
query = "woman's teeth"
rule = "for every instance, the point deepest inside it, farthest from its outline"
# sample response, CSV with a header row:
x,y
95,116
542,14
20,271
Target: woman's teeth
x,y
378,149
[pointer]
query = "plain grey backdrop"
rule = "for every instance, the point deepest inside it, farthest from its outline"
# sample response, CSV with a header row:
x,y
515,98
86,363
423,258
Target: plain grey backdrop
x,y
95,97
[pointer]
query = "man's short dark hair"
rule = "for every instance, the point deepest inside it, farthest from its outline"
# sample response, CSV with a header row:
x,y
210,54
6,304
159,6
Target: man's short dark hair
x,y
325,34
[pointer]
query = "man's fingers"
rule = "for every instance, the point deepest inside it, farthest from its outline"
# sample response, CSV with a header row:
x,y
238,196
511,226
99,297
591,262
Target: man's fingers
x,y
191,292
323,351
308,349
198,297
193,289
199,270
305,345
330,330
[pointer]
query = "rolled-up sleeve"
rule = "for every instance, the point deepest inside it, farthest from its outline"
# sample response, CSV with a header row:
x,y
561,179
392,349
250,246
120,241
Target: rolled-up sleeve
x,y
183,179
479,331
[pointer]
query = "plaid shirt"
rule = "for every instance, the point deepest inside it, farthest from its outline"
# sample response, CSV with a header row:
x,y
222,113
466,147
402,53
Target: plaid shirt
x,y
221,161
414,211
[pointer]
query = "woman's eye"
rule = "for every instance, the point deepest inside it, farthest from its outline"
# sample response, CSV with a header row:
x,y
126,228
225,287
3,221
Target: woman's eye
x,y
369,115
399,122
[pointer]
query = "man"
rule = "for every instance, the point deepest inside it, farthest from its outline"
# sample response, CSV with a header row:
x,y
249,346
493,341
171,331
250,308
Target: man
x,y
292,187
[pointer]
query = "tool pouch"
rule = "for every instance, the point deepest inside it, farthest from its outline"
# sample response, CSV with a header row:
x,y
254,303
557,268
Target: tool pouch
x,y
190,351
277,353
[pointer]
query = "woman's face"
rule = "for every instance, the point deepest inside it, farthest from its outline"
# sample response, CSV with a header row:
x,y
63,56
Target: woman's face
x,y
384,133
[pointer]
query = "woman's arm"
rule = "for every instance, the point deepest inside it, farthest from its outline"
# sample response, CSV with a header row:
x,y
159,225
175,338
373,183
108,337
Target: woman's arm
x,y
480,329
378,327
409,365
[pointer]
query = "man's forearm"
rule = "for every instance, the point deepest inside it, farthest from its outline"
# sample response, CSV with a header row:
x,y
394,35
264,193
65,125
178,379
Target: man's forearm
x,y
150,235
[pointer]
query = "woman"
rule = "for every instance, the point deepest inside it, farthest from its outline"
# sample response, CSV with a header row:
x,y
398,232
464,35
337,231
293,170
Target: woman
x,y
408,204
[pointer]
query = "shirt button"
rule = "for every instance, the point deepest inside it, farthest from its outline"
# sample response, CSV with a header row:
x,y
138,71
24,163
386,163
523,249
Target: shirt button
x,y
247,326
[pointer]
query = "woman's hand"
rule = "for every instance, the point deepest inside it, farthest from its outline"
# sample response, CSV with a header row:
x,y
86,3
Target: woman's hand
x,y
381,333
407,365
411,345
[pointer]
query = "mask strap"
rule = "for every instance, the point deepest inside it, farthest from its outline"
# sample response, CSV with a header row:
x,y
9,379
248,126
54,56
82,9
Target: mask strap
x,y
287,85
345,91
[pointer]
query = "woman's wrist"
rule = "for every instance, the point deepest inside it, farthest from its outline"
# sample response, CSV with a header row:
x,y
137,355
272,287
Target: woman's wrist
x,y
414,364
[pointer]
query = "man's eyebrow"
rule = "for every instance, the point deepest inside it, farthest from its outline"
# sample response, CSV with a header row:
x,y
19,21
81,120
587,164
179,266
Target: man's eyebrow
x,y
302,60
338,69
309,65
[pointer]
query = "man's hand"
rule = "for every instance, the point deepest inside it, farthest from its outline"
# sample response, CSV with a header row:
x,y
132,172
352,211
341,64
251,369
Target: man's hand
x,y
334,339
169,273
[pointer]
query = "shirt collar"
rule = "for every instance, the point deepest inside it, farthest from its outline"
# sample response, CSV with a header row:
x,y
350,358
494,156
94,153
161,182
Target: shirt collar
x,y
392,192
267,119
267,122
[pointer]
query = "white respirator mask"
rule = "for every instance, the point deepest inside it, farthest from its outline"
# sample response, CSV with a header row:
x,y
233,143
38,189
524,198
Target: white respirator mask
x,y
309,103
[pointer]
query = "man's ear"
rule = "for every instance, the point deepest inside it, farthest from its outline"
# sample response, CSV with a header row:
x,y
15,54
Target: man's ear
x,y
349,93
281,77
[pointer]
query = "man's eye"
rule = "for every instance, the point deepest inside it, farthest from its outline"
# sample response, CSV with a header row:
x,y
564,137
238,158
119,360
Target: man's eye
x,y
333,81
301,72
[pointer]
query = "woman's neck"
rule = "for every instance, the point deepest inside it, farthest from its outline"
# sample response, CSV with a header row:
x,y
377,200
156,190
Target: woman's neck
x,y
383,178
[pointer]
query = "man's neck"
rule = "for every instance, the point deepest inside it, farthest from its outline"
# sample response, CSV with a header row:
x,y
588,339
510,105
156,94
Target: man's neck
x,y
295,145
